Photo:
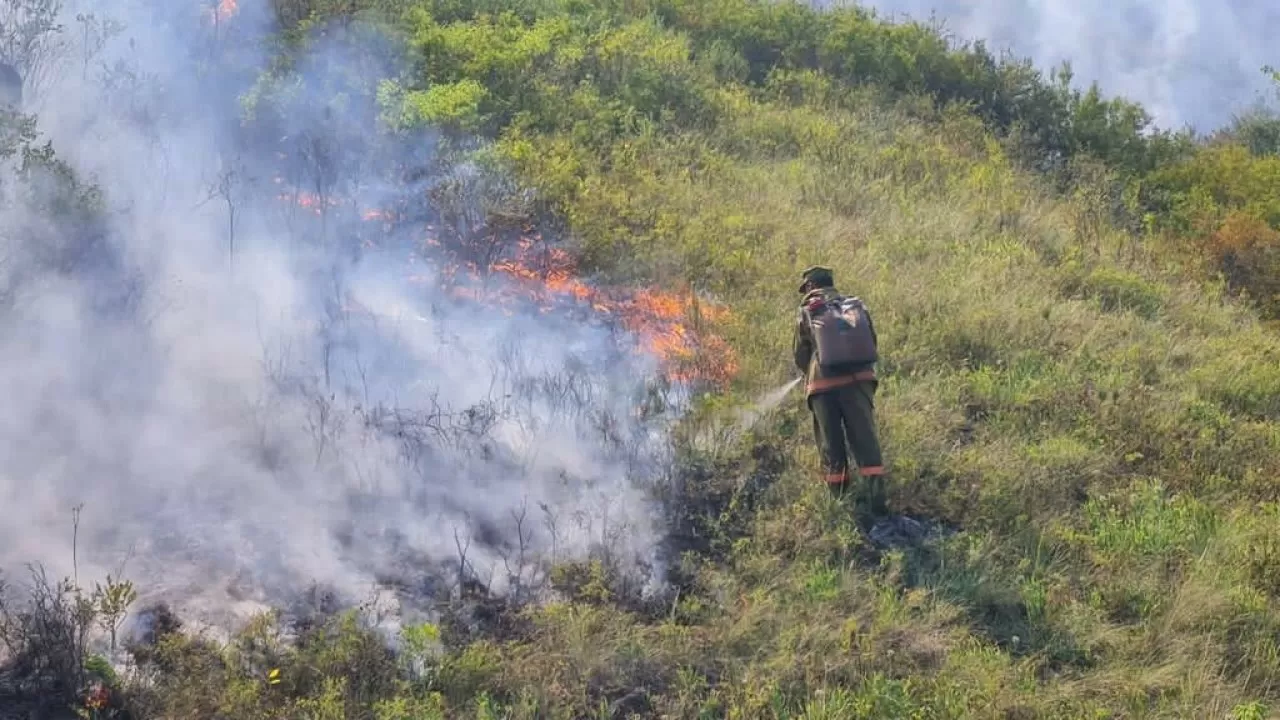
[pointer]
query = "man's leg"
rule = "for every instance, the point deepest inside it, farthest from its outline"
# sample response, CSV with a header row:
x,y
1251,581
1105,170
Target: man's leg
x,y
828,433
857,404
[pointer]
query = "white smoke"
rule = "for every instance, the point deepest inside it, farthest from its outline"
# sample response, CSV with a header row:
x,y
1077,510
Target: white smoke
x,y
1188,62
241,402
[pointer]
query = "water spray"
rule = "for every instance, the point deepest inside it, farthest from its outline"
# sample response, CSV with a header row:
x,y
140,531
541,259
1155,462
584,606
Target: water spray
x,y
750,415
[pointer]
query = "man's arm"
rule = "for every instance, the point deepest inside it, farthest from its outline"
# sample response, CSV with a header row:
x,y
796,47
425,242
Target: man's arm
x,y
802,344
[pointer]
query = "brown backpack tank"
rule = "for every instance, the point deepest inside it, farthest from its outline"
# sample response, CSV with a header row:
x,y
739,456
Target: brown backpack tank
x,y
841,332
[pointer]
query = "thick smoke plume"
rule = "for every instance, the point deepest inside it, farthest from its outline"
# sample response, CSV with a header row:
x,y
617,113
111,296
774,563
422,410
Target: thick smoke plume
x,y
258,367
1189,62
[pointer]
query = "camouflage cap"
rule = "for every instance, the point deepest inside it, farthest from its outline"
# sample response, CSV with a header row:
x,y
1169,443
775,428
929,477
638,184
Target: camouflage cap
x,y
818,274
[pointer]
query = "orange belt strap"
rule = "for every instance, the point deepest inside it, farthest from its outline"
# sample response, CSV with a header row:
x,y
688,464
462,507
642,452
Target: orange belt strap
x,y
820,384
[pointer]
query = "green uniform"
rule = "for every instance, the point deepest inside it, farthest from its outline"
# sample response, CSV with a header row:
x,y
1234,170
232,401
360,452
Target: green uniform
x,y
842,401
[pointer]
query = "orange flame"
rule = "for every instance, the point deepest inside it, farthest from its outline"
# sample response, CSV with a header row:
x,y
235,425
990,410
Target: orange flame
x,y
98,697
315,204
309,201
226,9
666,322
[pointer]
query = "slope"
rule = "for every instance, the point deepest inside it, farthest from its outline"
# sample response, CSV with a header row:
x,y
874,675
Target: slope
x,y
1097,428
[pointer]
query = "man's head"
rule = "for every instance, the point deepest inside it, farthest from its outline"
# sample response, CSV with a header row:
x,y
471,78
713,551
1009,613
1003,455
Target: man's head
x,y
816,276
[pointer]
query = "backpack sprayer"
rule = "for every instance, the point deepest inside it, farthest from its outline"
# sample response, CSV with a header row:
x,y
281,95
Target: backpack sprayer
x,y
841,331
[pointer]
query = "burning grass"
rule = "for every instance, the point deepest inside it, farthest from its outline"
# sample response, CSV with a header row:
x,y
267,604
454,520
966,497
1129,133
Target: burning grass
x,y
673,326
670,325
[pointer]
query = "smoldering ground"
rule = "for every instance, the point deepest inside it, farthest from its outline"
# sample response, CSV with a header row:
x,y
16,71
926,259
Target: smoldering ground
x,y
245,383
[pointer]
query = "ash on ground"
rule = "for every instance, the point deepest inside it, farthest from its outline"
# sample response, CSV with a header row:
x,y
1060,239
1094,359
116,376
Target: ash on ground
x,y
902,531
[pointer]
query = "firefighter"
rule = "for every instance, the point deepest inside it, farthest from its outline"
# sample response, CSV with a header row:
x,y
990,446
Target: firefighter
x,y
840,396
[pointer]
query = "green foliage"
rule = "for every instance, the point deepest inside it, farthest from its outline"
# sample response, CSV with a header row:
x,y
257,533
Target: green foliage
x,y
665,61
453,105
1044,368
111,604
1148,523
1259,131
1116,289
1097,429
47,636
621,72
46,186
1223,202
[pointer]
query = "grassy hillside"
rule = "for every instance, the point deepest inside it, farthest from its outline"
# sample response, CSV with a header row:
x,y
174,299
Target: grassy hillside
x,y
1088,415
